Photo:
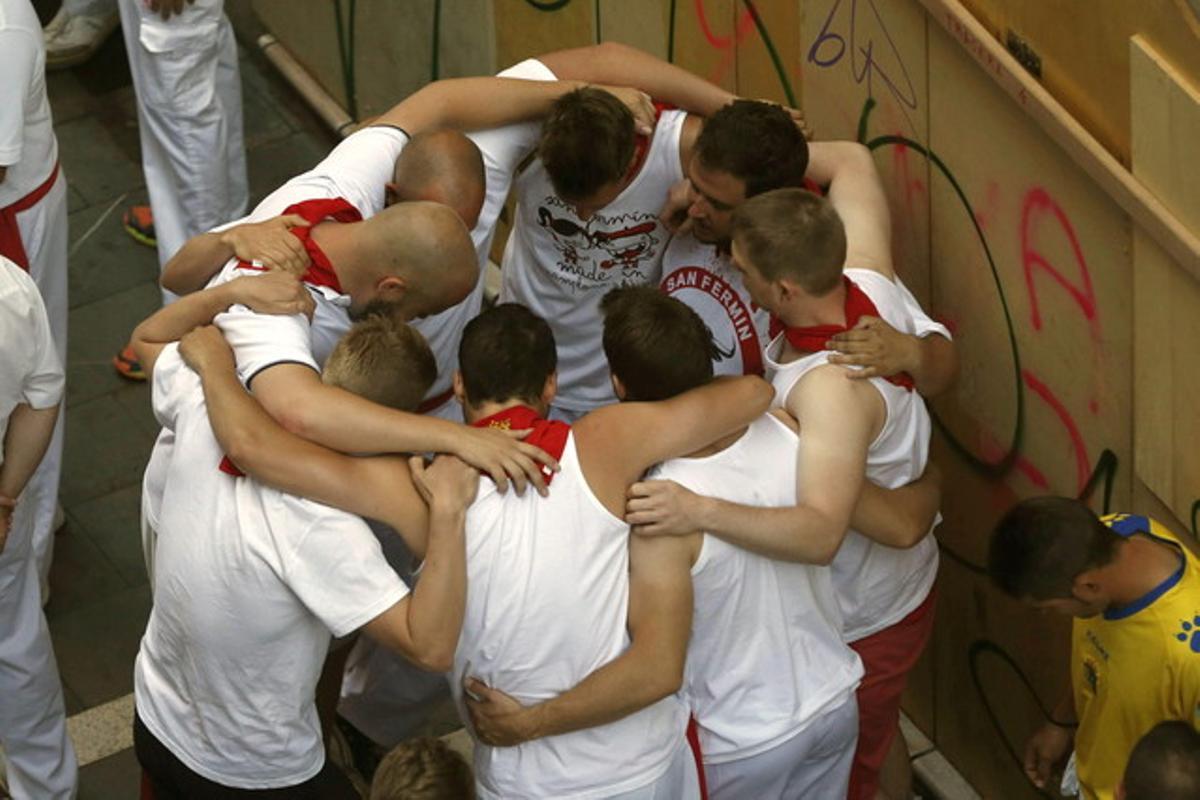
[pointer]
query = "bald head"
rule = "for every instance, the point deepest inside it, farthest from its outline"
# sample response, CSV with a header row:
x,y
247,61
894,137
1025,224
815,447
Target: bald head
x,y
428,247
442,166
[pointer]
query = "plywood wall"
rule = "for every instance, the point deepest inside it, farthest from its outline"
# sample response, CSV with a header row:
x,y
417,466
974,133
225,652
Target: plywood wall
x,y
1079,337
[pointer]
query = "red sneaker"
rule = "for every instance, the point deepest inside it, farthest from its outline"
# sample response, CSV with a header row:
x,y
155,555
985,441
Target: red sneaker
x,y
139,223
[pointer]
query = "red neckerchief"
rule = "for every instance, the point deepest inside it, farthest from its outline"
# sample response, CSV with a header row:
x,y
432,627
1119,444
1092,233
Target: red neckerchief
x,y
641,143
320,271
549,435
815,338
11,246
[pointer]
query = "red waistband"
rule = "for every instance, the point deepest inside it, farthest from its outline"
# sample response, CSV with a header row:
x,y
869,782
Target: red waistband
x,y
11,246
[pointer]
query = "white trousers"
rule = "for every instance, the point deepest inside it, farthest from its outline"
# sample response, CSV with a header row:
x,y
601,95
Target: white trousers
x,y
39,759
679,782
189,91
814,763
44,234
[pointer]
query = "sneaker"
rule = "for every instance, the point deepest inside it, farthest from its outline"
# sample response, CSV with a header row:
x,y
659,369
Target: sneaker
x,y
139,223
127,365
72,39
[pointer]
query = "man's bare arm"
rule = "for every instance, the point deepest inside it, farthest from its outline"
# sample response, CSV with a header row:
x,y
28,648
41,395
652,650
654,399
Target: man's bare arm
x,y
25,442
839,418
660,619
378,488
622,65
424,627
881,350
856,191
295,397
900,517
269,242
631,437
273,293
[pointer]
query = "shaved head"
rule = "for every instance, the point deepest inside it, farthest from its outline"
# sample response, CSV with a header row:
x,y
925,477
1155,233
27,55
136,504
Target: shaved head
x,y
442,166
427,245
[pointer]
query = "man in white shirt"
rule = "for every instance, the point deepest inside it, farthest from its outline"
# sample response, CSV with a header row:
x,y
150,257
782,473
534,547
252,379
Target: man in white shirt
x,y
250,583
570,615
744,149
768,680
33,222
39,758
820,265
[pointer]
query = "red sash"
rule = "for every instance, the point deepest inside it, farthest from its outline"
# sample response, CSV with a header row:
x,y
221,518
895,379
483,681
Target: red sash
x,y
550,435
813,338
320,272
641,144
11,246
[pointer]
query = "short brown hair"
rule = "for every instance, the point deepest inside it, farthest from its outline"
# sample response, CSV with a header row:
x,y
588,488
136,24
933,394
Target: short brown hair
x,y
792,233
384,360
1042,544
588,140
506,353
423,769
656,345
755,142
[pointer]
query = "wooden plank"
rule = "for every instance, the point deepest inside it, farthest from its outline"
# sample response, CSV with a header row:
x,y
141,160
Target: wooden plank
x,y
636,23
1147,210
776,31
1165,127
529,28
311,38
839,82
705,39
393,52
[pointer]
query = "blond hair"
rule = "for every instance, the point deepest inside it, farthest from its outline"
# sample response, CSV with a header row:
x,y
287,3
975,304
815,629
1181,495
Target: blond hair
x,y
792,233
423,769
383,360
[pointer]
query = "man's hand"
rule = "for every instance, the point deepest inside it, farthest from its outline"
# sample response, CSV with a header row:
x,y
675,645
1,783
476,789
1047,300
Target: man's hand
x,y
674,214
662,508
449,480
1046,749
270,243
877,347
7,505
502,455
275,292
498,720
167,7
638,103
205,349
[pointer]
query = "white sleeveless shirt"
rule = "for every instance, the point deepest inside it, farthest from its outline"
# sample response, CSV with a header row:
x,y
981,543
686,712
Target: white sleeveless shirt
x,y
561,266
766,655
703,278
877,586
547,597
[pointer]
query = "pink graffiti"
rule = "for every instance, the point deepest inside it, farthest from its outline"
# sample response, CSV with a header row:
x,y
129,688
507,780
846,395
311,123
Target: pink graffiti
x,y
726,44
1082,463
1037,204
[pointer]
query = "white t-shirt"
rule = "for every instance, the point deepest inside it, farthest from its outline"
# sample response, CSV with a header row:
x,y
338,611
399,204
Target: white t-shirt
x,y
502,149
30,372
547,600
877,585
766,656
561,266
357,170
249,584
701,276
28,146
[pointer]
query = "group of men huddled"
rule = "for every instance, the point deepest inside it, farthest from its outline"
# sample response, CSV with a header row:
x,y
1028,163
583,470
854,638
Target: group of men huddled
x,y
717,585
765,595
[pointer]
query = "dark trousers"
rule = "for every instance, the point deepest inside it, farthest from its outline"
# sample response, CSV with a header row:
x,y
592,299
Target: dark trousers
x,y
165,777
